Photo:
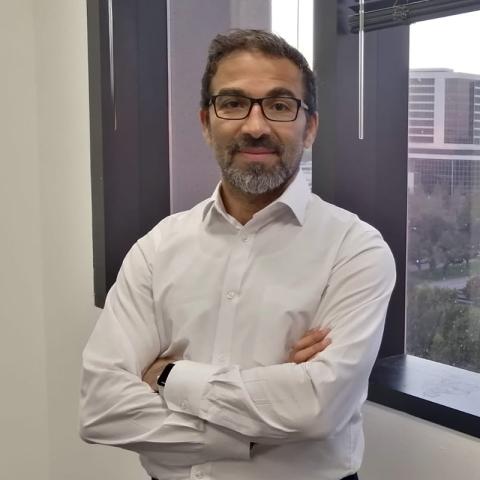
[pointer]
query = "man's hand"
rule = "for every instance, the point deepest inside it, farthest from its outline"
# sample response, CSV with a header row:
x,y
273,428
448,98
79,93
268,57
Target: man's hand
x,y
312,342
151,374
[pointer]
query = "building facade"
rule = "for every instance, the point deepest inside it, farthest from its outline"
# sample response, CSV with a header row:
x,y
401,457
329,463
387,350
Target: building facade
x,y
444,130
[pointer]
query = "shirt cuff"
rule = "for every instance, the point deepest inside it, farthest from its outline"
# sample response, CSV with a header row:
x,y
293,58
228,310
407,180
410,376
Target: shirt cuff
x,y
183,392
186,385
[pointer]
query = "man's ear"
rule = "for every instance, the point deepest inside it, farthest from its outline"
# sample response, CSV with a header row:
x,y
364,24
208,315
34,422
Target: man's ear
x,y
310,130
205,121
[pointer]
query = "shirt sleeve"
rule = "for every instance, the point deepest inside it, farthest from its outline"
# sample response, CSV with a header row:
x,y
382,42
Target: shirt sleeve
x,y
316,399
116,407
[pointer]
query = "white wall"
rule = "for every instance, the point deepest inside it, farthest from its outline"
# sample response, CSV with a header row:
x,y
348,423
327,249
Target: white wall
x,y
46,279
402,447
23,400
69,312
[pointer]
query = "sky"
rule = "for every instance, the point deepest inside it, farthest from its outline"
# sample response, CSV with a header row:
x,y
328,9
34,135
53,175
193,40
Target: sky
x,y
450,42
286,15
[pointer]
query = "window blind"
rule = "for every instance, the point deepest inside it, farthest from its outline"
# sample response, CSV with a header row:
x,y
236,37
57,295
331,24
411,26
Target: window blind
x,y
391,13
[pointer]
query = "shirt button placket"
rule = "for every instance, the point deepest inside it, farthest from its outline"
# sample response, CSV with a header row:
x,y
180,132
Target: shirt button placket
x,y
235,269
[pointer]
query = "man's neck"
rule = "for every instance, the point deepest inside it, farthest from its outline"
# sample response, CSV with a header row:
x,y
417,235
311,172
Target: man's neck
x,y
243,206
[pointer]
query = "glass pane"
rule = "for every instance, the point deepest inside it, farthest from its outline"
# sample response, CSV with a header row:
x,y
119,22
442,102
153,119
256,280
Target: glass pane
x,y
293,20
443,270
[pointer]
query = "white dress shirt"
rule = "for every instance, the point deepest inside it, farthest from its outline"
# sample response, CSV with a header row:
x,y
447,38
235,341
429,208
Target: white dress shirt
x,y
230,300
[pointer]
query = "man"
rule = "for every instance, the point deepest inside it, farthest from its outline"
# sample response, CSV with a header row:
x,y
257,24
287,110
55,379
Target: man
x,y
253,319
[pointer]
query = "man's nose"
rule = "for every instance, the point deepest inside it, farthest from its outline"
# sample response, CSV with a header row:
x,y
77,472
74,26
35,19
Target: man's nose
x,y
256,124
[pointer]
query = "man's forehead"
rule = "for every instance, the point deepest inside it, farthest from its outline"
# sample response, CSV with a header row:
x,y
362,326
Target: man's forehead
x,y
246,71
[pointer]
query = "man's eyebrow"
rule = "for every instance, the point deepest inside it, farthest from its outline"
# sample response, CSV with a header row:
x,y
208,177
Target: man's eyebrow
x,y
274,92
231,91
280,92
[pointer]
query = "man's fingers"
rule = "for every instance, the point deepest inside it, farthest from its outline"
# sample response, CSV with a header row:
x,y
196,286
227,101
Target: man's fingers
x,y
312,342
310,338
300,356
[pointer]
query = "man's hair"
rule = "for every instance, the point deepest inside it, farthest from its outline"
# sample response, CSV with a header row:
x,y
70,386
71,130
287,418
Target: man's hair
x,y
265,42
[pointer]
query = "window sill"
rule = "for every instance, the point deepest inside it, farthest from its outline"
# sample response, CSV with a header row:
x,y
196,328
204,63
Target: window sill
x,y
441,394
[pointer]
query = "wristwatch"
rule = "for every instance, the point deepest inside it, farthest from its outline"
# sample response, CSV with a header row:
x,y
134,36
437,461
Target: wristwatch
x,y
162,378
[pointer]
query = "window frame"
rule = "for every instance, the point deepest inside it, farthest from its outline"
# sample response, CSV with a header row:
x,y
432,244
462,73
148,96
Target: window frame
x,y
129,125
377,192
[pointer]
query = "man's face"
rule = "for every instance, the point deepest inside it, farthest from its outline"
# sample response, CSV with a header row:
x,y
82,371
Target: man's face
x,y
257,155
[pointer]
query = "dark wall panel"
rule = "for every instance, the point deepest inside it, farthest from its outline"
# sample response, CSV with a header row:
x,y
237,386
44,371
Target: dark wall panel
x,y
129,129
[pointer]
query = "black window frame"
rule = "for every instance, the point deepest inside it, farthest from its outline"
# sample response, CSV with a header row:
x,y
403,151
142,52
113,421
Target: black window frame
x,y
369,177
129,140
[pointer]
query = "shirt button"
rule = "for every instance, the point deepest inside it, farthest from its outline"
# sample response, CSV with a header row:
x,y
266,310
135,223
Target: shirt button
x,y
245,239
221,358
184,405
199,475
230,294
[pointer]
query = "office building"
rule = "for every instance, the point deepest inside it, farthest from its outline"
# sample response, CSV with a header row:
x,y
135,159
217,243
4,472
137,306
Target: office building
x,y
444,130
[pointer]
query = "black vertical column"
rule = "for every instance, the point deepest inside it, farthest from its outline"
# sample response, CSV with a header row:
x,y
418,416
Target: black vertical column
x,y
368,177
129,129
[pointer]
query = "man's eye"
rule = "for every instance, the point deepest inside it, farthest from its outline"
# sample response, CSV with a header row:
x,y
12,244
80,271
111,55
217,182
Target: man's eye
x,y
280,107
231,104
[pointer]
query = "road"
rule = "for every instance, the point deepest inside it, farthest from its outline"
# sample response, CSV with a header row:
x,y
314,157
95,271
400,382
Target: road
x,y
454,283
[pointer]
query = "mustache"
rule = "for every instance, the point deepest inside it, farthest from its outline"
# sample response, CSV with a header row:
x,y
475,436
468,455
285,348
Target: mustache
x,y
247,141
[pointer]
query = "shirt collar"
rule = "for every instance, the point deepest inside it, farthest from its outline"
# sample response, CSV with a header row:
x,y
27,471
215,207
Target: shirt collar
x,y
295,197
214,201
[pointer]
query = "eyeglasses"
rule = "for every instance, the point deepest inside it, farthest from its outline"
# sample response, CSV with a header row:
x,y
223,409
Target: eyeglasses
x,y
238,107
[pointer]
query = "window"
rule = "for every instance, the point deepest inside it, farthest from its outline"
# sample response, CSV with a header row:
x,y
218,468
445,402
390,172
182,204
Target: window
x,y
422,131
299,33
422,89
404,152
421,123
443,251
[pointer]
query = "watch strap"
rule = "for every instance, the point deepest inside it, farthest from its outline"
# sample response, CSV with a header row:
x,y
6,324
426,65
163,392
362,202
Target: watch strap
x,y
162,378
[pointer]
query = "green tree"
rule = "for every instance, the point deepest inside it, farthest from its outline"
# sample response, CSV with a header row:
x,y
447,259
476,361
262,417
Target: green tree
x,y
444,228
441,329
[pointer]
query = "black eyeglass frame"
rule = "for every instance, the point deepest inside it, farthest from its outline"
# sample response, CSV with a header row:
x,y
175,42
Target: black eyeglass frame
x,y
253,101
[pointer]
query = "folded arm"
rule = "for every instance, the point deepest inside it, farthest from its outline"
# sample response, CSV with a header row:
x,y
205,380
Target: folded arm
x,y
117,407
292,402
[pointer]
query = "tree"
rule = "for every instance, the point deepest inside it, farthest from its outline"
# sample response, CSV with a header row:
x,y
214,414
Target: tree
x,y
444,229
441,329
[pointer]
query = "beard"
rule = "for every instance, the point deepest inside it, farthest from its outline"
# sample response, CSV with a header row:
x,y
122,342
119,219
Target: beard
x,y
258,178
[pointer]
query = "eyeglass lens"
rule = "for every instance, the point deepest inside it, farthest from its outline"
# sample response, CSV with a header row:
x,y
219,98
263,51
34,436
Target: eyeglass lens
x,y
234,107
